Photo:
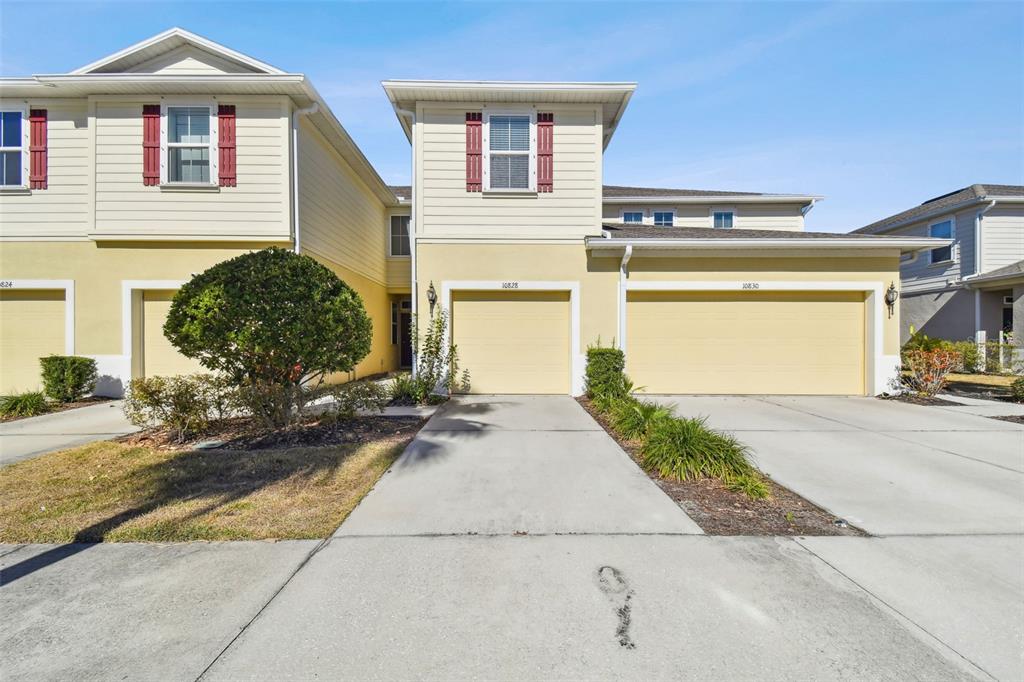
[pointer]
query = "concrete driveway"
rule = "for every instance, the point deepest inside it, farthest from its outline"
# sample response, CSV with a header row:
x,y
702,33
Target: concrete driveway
x,y
891,468
34,436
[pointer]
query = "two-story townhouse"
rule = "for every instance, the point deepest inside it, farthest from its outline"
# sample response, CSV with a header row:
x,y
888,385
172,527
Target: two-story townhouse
x,y
977,282
123,178
514,236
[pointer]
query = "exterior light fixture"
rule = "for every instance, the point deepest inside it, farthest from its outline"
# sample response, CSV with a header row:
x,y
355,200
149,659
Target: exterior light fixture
x,y
432,298
891,296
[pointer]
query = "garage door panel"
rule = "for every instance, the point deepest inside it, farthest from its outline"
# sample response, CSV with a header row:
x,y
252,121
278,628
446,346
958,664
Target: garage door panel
x,y
746,342
31,327
513,342
159,357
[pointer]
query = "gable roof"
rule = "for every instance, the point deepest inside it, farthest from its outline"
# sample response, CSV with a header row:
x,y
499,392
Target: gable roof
x,y
946,202
172,39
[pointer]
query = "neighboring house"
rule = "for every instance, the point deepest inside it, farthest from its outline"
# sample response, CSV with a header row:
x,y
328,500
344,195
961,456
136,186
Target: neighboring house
x,y
516,237
976,283
127,176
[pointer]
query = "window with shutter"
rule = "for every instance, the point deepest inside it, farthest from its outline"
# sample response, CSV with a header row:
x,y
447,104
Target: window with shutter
x,y
151,144
37,149
14,145
228,168
510,151
474,151
545,152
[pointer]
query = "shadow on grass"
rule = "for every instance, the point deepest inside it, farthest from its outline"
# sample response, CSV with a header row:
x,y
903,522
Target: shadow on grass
x,y
222,477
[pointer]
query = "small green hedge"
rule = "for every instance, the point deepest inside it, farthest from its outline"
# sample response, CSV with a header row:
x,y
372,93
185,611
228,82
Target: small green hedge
x,y
1017,390
605,368
67,378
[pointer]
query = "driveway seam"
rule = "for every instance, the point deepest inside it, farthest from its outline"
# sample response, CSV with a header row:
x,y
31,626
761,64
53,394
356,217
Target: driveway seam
x,y
12,551
323,543
895,610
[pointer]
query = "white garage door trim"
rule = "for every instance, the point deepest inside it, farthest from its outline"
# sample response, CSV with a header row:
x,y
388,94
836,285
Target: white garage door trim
x,y
577,358
881,369
68,285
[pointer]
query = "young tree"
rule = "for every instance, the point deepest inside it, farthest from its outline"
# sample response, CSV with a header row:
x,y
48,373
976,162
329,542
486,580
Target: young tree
x,y
273,322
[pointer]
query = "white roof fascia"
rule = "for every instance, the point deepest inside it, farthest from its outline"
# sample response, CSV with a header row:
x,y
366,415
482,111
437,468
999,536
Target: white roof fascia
x,y
716,199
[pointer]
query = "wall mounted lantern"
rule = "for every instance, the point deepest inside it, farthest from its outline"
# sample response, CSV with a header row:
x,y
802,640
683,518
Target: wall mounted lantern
x,y
891,296
431,298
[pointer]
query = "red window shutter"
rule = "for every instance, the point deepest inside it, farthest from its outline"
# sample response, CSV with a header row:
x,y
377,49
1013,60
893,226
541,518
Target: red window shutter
x,y
37,149
226,145
545,151
474,151
151,144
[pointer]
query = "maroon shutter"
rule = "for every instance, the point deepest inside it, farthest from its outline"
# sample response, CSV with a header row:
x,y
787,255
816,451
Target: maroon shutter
x,y
474,151
226,145
151,144
545,150
37,149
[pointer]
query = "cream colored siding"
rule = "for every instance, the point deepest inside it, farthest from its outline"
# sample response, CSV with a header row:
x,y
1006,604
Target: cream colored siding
x,y
1003,236
446,209
746,343
513,342
341,219
61,210
189,61
257,208
159,357
31,327
745,216
399,273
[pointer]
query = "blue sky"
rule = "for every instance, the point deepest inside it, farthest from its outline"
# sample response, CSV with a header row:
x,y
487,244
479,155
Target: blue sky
x,y
877,106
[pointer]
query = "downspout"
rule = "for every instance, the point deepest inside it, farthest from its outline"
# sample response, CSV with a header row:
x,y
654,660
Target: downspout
x,y
623,276
413,281
312,109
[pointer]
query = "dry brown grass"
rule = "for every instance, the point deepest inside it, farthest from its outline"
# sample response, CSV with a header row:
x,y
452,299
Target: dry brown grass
x,y
985,380
115,492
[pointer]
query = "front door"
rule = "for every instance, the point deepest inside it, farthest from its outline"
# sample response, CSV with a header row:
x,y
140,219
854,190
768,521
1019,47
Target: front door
x,y
404,336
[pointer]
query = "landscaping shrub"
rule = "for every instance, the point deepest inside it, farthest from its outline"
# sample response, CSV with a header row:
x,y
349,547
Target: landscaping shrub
x,y
928,369
686,449
185,405
970,359
437,367
1017,389
27,404
751,485
605,367
632,418
274,323
357,395
67,378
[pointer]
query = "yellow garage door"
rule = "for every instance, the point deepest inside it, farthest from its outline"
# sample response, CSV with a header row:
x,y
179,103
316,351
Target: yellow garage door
x,y
31,327
800,343
159,357
513,342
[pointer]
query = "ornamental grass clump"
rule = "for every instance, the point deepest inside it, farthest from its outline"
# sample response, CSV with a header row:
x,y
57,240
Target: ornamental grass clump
x,y
686,449
632,419
27,404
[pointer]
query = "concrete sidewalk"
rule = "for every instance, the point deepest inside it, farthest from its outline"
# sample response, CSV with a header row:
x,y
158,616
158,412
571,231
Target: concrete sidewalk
x,y
34,436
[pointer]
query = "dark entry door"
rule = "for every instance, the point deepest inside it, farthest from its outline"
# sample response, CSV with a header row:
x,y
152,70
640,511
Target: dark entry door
x,y
404,338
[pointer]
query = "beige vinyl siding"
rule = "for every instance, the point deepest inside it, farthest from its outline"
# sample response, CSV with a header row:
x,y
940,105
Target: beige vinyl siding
x,y
1003,236
188,60
61,210
787,217
447,210
257,208
399,273
341,219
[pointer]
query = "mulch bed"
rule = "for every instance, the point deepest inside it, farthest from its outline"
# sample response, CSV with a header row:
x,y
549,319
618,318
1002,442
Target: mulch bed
x,y
1015,418
52,408
246,434
921,400
720,511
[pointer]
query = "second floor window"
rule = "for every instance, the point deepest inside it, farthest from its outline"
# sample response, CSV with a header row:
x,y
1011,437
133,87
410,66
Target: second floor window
x,y
723,219
632,217
510,150
189,145
399,235
664,218
12,147
943,230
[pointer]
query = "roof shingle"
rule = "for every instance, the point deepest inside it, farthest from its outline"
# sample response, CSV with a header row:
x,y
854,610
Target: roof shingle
x,y
965,195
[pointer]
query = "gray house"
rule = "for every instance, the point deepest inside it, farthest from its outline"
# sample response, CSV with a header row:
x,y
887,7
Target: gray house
x,y
976,283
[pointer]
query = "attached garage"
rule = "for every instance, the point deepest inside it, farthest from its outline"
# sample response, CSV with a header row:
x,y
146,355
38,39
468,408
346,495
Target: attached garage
x,y
747,342
514,342
32,325
159,357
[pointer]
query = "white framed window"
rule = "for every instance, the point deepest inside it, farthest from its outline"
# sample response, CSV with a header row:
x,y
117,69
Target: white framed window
x,y
188,143
941,230
633,217
510,150
399,236
14,146
722,219
664,218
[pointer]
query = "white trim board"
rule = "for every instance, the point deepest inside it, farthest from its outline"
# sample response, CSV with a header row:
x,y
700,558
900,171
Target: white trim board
x,y
128,287
68,286
577,359
880,369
